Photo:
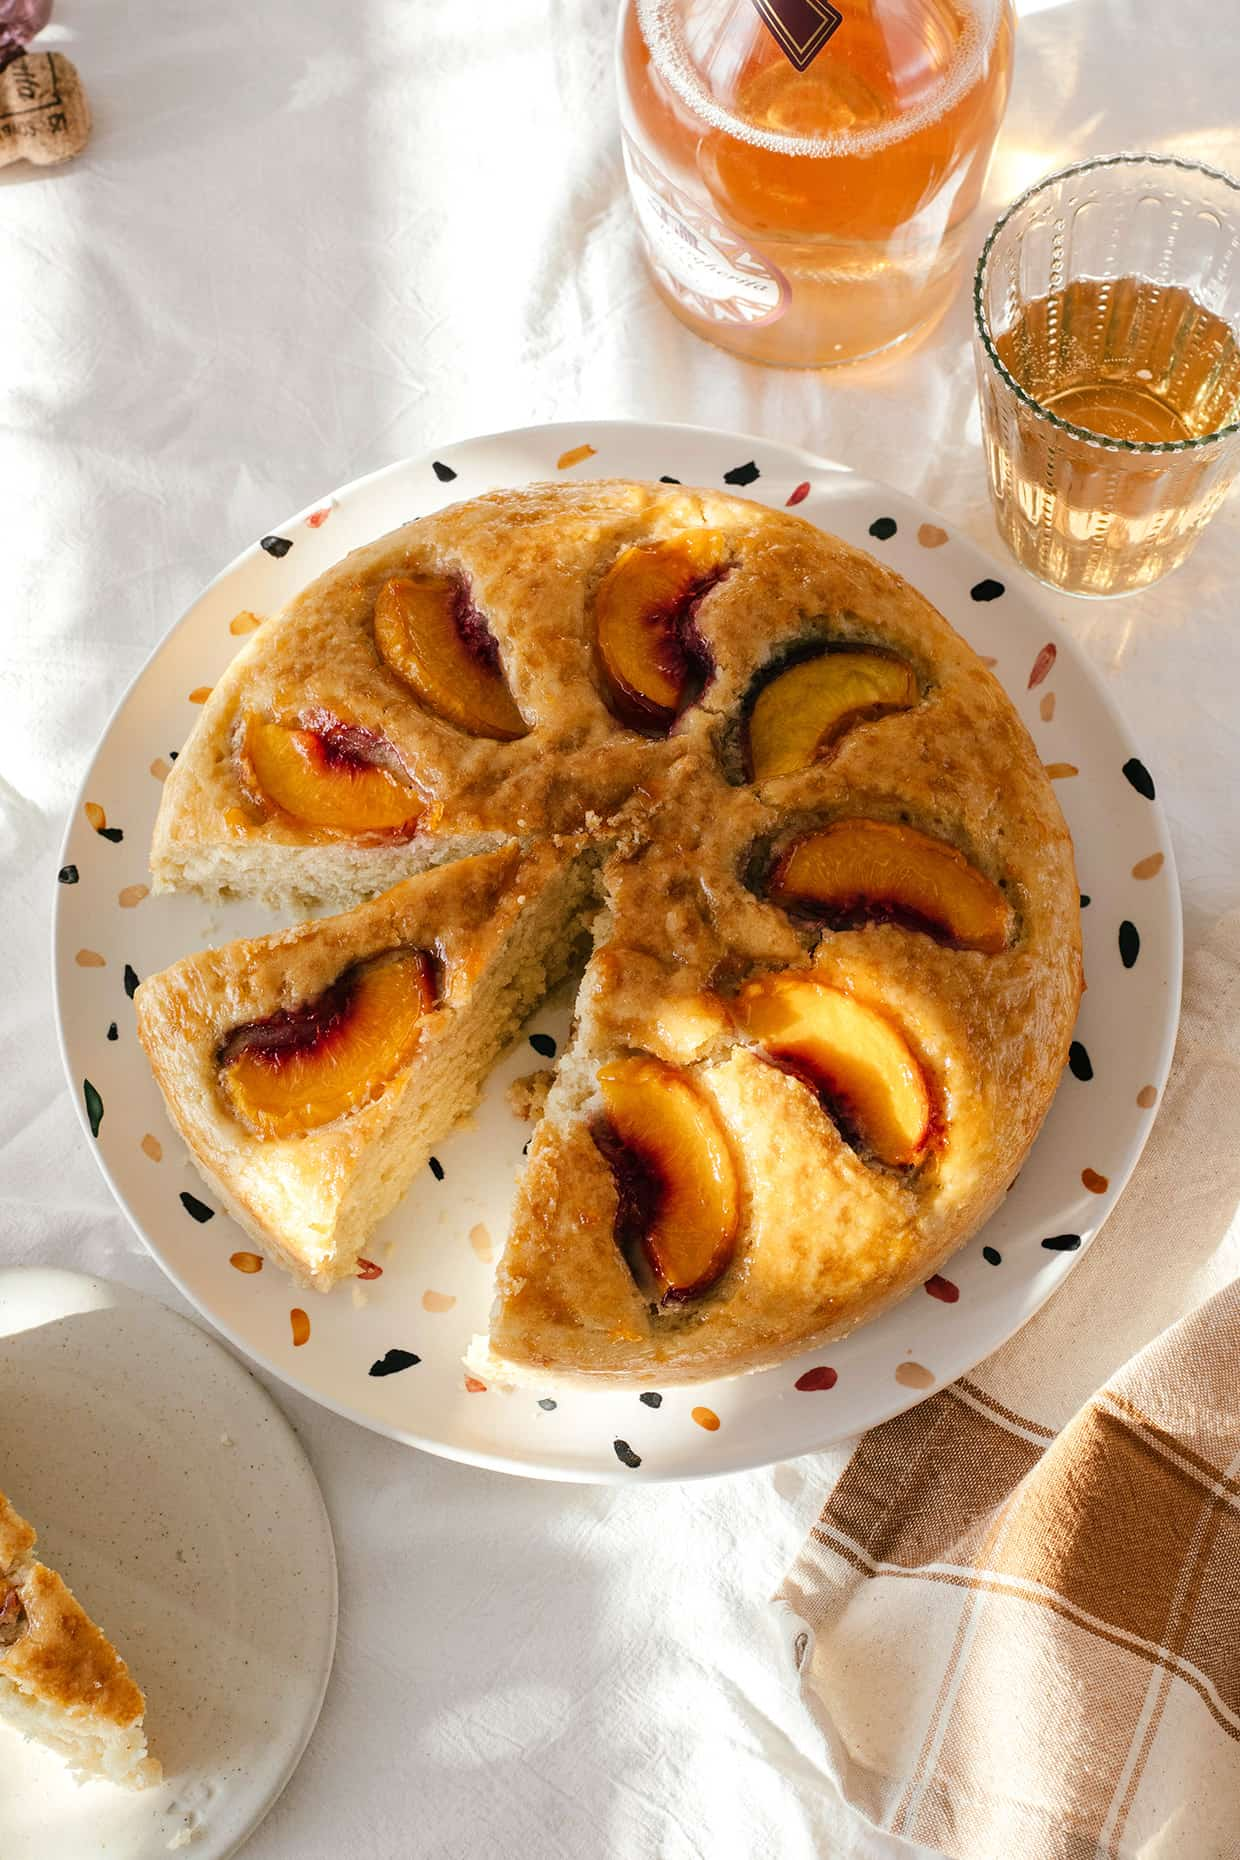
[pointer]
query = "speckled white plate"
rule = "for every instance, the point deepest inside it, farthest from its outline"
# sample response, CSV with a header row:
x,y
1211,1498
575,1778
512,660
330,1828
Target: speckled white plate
x,y
173,1497
390,1356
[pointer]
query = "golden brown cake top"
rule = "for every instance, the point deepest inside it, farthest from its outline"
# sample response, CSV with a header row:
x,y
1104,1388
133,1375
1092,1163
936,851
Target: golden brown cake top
x,y
532,567
841,933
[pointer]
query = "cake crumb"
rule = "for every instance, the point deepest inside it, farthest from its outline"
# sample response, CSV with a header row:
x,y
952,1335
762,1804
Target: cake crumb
x,y
182,1838
527,1095
226,1440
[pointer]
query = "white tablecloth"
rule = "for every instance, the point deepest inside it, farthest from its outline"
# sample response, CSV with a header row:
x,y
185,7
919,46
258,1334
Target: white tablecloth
x,y
308,238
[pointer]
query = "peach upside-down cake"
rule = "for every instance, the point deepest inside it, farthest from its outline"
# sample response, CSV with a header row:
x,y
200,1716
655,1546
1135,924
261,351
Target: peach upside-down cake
x,y
835,956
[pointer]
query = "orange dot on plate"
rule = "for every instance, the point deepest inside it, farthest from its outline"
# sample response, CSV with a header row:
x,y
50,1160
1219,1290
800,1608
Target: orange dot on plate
x,y
152,1147
1147,1097
161,769
89,959
1095,1183
480,1240
1148,867
573,456
253,1262
318,518
707,1418
200,694
244,622
914,1376
1060,771
301,1326
930,536
474,1387
437,1301
96,816
131,896
1046,709
986,659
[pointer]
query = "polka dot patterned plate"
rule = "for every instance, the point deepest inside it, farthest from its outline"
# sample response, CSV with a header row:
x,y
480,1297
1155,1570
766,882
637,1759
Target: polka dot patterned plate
x,y
174,1498
389,1355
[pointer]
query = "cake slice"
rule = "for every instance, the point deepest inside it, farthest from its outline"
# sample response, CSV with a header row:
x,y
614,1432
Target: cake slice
x,y
62,1681
720,1176
311,1072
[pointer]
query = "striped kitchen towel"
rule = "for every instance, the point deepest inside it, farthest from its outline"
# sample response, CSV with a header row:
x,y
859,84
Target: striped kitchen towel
x,y
1017,1620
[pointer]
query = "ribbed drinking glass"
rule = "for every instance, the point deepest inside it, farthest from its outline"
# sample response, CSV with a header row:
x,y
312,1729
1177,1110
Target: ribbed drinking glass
x,y
1107,303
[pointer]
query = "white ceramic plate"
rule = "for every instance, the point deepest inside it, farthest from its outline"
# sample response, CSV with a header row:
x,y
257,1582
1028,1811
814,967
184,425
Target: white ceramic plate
x,y
390,1356
173,1497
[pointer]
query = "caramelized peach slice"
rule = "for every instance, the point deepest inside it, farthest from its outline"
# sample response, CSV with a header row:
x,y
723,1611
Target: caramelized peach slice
x,y
433,637
307,1066
848,1052
800,715
676,1181
854,870
654,659
327,778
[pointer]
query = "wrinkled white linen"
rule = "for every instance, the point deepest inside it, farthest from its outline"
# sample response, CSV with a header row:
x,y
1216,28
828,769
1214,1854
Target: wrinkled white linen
x,y
305,240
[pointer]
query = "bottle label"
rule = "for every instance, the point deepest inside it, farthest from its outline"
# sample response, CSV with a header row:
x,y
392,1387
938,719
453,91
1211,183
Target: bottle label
x,y
800,27
701,262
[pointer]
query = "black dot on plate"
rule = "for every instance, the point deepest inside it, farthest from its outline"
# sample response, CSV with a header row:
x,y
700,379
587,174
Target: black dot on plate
x,y
987,589
94,1106
1084,900
1062,1243
883,528
275,545
543,1045
197,1210
1140,777
652,1398
131,979
436,1168
173,754
625,1453
114,834
547,1405
393,1363
113,1031
742,474
67,875
444,473
992,1256
666,480
1079,1063
1129,943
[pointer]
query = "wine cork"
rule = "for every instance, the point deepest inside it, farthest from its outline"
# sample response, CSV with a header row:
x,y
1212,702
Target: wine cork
x,y
44,115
